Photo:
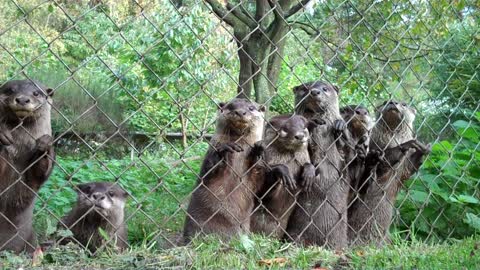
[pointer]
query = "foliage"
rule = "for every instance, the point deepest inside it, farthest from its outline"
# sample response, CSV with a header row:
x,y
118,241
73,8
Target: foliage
x,y
444,201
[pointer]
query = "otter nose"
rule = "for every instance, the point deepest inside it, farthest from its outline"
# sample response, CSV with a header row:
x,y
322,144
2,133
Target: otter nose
x,y
392,102
240,112
300,136
22,100
315,92
361,111
98,196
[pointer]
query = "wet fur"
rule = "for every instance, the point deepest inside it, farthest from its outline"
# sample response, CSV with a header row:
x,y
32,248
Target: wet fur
x,y
320,217
24,166
395,157
84,221
277,201
223,200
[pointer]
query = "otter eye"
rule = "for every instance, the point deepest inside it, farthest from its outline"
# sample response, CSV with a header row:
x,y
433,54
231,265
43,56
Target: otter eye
x,y
324,88
404,104
111,193
36,93
251,108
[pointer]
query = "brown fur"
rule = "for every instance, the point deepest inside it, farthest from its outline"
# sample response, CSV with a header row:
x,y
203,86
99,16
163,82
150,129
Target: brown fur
x,y
359,124
100,205
403,155
26,159
320,217
223,200
286,143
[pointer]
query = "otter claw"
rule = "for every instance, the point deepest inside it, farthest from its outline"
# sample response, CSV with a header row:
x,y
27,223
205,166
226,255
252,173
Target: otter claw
x,y
6,138
339,125
229,148
308,176
44,143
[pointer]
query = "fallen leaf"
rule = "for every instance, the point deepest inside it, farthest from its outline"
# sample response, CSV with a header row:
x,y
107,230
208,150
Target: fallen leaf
x,y
360,253
37,257
275,261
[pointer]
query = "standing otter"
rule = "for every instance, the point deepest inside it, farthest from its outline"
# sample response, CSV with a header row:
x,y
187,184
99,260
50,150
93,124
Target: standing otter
x,y
26,159
359,124
223,200
320,217
100,205
286,143
385,173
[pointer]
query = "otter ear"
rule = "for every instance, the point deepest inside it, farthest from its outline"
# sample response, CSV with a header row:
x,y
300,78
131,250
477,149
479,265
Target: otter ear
x,y
84,188
299,88
49,92
124,194
262,108
336,88
221,105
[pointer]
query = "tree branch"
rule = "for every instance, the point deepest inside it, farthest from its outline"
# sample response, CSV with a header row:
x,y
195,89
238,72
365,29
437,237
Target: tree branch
x,y
307,28
296,8
222,13
241,15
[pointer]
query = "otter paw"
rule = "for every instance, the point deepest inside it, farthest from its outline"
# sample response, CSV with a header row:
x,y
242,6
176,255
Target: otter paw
x,y
339,125
258,149
283,173
44,143
361,151
6,138
229,148
308,176
313,123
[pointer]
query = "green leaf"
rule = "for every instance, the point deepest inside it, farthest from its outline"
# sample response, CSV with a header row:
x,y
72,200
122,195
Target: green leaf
x,y
467,199
247,243
418,196
472,220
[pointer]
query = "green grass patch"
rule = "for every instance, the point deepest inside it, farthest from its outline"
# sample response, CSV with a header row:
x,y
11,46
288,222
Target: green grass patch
x,y
256,252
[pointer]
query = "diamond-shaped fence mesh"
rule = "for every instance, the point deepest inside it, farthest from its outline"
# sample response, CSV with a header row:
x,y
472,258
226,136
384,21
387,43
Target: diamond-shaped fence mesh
x,y
146,144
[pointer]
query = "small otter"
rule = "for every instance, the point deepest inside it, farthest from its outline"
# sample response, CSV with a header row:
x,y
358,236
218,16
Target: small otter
x,y
223,200
26,159
100,205
320,217
286,150
359,123
395,157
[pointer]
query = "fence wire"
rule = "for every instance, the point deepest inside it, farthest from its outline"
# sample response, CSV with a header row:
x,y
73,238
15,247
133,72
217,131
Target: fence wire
x,y
138,91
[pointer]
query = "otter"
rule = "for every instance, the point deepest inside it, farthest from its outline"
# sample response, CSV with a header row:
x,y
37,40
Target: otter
x,y
100,205
359,123
320,217
224,197
286,145
26,159
394,157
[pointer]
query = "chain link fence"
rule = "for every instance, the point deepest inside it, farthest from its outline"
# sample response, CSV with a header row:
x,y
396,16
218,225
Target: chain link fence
x,y
137,86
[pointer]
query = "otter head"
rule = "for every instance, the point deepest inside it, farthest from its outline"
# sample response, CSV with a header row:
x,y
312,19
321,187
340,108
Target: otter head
x,y
240,116
394,114
104,197
316,98
289,132
358,119
25,99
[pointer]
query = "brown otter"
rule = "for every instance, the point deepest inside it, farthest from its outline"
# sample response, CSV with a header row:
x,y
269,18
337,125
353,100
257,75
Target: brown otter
x,y
359,123
395,156
223,200
100,205
320,217
26,159
286,145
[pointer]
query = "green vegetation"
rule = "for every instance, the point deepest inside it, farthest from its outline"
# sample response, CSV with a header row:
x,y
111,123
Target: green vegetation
x,y
116,67
261,253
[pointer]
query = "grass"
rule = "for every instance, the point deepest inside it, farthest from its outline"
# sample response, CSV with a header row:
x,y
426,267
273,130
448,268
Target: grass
x,y
159,194
259,253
